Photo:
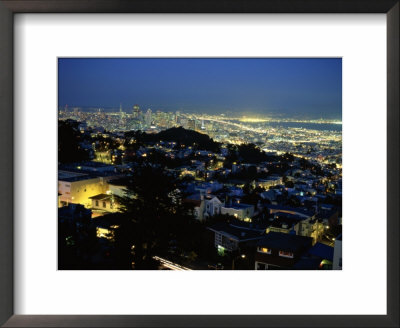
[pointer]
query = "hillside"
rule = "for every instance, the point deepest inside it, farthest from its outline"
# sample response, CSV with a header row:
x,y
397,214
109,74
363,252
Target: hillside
x,y
180,136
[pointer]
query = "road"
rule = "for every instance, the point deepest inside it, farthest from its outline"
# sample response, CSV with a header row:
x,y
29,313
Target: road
x,y
171,265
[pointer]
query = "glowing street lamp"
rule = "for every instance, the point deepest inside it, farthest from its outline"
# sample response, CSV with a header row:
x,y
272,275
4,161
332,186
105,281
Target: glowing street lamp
x,y
243,256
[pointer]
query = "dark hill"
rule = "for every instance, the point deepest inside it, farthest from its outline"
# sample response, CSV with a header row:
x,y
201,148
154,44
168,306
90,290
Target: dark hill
x,y
182,137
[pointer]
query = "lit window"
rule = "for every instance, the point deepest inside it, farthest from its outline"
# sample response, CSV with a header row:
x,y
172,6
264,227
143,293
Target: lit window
x,y
286,254
264,250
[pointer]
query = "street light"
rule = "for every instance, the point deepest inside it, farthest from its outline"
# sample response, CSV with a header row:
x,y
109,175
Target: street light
x,y
243,256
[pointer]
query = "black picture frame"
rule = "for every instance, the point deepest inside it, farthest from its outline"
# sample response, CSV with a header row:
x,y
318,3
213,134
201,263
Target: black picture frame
x,y
10,7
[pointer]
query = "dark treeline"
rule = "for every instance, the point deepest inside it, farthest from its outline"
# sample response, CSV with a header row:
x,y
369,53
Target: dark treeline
x,y
179,135
69,142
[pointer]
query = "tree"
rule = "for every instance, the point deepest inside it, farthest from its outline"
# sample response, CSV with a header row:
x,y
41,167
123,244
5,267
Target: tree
x,y
252,198
247,188
250,153
77,242
69,142
157,216
289,184
231,157
181,136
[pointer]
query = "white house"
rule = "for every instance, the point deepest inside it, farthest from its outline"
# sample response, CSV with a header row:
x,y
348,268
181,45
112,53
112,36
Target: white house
x,y
212,206
269,182
239,211
337,254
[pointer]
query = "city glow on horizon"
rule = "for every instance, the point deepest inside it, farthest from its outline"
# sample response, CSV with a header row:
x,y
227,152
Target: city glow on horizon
x,y
253,120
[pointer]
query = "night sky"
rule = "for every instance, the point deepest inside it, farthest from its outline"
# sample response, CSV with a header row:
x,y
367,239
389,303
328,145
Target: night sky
x,y
309,88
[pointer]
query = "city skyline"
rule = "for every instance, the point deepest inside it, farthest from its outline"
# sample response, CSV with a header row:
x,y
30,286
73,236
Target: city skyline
x,y
303,88
199,164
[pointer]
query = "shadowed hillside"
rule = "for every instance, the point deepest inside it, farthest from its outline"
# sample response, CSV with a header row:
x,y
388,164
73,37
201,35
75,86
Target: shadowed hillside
x,y
179,135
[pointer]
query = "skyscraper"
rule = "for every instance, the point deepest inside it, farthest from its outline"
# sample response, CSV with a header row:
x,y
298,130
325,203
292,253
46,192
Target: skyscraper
x,y
121,113
136,111
148,117
192,124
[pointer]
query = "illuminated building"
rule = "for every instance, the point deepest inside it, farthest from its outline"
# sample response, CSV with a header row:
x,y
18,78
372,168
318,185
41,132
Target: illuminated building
x,y
183,122
191,124
284,225
239,211
271,181
77,184
212,205
148,117
298,220
104,203
121,113
177,116
78,188
136,111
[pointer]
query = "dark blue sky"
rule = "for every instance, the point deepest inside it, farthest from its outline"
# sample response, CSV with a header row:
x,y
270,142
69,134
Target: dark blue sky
x,y
291,87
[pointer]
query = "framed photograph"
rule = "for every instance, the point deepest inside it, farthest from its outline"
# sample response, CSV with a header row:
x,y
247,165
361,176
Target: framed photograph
x,y
204,157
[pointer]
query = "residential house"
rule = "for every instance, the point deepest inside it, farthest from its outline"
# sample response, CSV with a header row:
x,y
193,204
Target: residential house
x,y
238,210
280,251
271,181
197,200
230,237
104,203
297,223
212,206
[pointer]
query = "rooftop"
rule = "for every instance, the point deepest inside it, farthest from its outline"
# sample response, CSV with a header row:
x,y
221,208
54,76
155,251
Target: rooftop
x,y
323,251
285,242
238,233
298,210
101,197
288,217
239,206
72,176
94,169
89,164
